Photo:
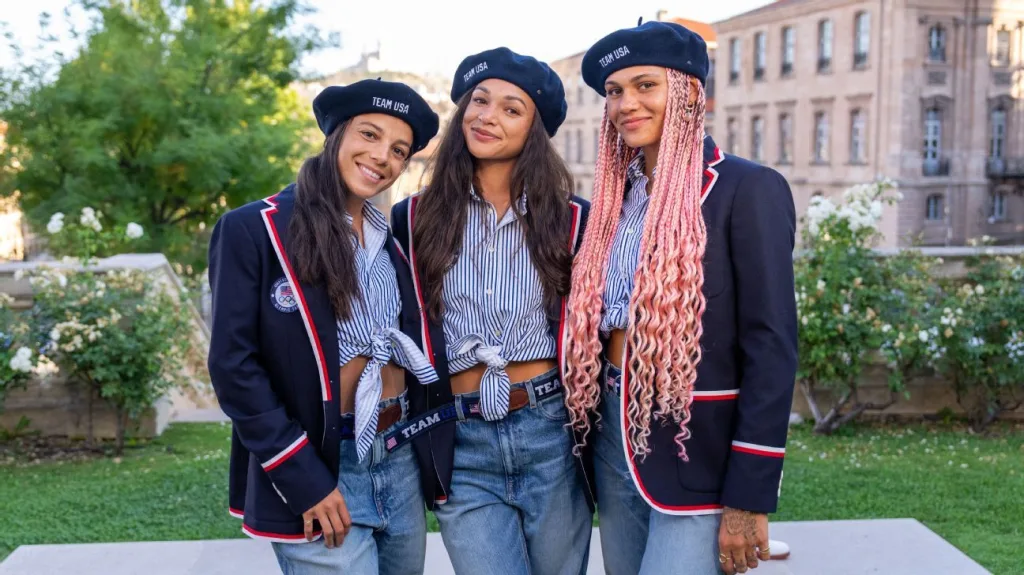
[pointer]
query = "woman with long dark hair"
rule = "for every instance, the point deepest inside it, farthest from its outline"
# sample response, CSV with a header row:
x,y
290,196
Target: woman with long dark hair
x,y
306,356
491,240
682,338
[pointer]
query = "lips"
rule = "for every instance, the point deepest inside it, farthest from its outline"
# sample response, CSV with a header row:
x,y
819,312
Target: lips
x,y
634,123
370,174
483,135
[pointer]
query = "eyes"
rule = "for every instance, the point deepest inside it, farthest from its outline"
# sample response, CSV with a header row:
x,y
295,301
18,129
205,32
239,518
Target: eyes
x,y
510,110
642,87
399,152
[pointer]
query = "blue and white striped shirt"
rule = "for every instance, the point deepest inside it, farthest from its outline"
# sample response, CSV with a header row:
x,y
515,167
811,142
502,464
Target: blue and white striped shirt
x,y
494,303
372,329
625,254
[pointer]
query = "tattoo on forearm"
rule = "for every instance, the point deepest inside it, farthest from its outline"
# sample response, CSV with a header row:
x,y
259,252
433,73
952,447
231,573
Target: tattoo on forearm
x,y
739,522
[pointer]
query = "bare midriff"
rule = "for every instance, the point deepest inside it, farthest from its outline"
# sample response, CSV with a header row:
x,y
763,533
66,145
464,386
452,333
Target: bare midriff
x,y
616,345
468,381
392,376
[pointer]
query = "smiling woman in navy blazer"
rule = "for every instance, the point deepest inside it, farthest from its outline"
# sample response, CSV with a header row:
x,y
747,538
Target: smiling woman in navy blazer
x,y
306,358
682,319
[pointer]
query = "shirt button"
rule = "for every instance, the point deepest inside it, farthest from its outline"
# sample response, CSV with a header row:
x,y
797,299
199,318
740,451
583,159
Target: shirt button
x,y
629,230
497,333
491,249
489,291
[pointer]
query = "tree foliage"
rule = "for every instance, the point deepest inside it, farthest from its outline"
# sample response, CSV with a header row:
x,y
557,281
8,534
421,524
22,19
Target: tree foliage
x,y
172,112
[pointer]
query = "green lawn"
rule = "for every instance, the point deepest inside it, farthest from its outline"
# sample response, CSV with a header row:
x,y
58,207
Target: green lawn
x,y
967,489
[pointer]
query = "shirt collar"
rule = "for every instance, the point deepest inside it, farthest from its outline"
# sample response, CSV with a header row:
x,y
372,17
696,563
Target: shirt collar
x,y
520,205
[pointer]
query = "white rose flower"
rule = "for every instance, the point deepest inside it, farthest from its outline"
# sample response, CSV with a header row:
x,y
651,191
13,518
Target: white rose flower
x,y
55,225
886,328
922,335
821,285
45,367
55,335
980,289
846,308
133,231
22,360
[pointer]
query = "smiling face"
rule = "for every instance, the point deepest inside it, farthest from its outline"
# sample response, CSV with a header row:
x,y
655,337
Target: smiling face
x,y
497,120
636,102
373,152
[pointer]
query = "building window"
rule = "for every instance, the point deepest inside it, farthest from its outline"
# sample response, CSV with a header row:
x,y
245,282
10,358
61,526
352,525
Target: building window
x,y
861,39
760,55
932,134
757,139
579,145
997,145
788,50
937,43
998,207
579,94
730,137
568,145
785,139
1002,54
820,138
824,45
597,142
734,60
709,90
934,163
933,208
858,141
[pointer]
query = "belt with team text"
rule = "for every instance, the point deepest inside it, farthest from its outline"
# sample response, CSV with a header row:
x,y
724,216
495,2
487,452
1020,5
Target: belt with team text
x,y
540,388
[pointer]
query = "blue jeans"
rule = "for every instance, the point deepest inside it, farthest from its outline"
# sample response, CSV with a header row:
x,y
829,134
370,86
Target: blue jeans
x,y
634,538
389,525
517,505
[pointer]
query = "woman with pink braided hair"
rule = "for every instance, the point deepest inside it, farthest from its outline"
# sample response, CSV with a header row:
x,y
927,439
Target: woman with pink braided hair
x,y
681,350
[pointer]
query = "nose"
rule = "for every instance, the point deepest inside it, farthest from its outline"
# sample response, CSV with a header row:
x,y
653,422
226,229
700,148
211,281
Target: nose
x,y
628,102
379,152
487,114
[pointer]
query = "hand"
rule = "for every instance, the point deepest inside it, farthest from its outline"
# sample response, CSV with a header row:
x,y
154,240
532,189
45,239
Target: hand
x,y
742,540
332,513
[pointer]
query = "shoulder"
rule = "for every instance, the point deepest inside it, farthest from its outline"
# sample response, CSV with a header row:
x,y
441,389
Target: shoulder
x,y
250,218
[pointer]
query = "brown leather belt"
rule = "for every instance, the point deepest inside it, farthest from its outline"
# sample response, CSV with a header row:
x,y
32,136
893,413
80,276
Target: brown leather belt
x,y
389,416
616,345
393,377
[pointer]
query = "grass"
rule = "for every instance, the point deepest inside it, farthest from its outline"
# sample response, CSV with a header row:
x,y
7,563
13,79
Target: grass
x,y
965,488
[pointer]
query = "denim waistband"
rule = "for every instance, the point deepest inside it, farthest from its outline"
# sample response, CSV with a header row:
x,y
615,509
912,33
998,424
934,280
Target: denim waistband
x,y
348,420
467,405
611,377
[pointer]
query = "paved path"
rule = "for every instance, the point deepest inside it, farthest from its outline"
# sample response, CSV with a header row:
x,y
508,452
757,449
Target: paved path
x,y
885,546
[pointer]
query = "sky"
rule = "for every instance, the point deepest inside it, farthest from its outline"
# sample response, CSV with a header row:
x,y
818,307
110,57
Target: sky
x,y
425,36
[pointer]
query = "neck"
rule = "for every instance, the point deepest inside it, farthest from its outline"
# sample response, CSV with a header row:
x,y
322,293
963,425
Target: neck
x,y
650,162
354,206
493,181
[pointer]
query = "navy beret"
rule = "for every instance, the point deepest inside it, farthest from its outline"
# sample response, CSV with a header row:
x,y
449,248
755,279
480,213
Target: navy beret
x,y
531,75
664,44
336,104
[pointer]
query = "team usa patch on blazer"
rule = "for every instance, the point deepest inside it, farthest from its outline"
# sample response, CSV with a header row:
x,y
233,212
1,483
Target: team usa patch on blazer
x,y
283,297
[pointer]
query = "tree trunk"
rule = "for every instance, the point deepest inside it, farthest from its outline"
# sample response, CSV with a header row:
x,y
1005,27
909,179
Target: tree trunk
x,y
90,437
121,416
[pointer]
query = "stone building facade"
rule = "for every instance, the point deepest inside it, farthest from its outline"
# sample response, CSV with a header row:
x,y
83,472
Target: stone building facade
x,y
927,92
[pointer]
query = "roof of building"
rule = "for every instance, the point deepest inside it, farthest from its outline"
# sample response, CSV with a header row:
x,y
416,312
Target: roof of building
x,y
702,29
766,8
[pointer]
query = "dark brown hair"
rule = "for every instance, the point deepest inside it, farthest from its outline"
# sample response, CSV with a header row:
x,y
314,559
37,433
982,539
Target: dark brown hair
x,y
441,211
320,247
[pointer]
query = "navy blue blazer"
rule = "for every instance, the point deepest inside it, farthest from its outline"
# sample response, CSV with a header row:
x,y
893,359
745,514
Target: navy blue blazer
x,y
274,366
435,449
745,380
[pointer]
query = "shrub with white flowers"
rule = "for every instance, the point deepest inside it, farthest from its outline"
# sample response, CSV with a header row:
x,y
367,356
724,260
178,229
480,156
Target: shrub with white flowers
x,y
119,333
87,237
976,338
20,360
854,307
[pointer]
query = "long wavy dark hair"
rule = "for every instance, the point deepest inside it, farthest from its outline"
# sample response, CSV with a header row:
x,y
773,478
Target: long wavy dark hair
x,y
442,211
320,247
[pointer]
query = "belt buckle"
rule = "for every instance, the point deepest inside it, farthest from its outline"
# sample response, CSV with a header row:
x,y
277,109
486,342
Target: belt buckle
x,y
389,416
518,398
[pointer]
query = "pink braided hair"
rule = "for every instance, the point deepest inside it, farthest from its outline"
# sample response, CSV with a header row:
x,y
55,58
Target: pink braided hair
x,y
667,304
